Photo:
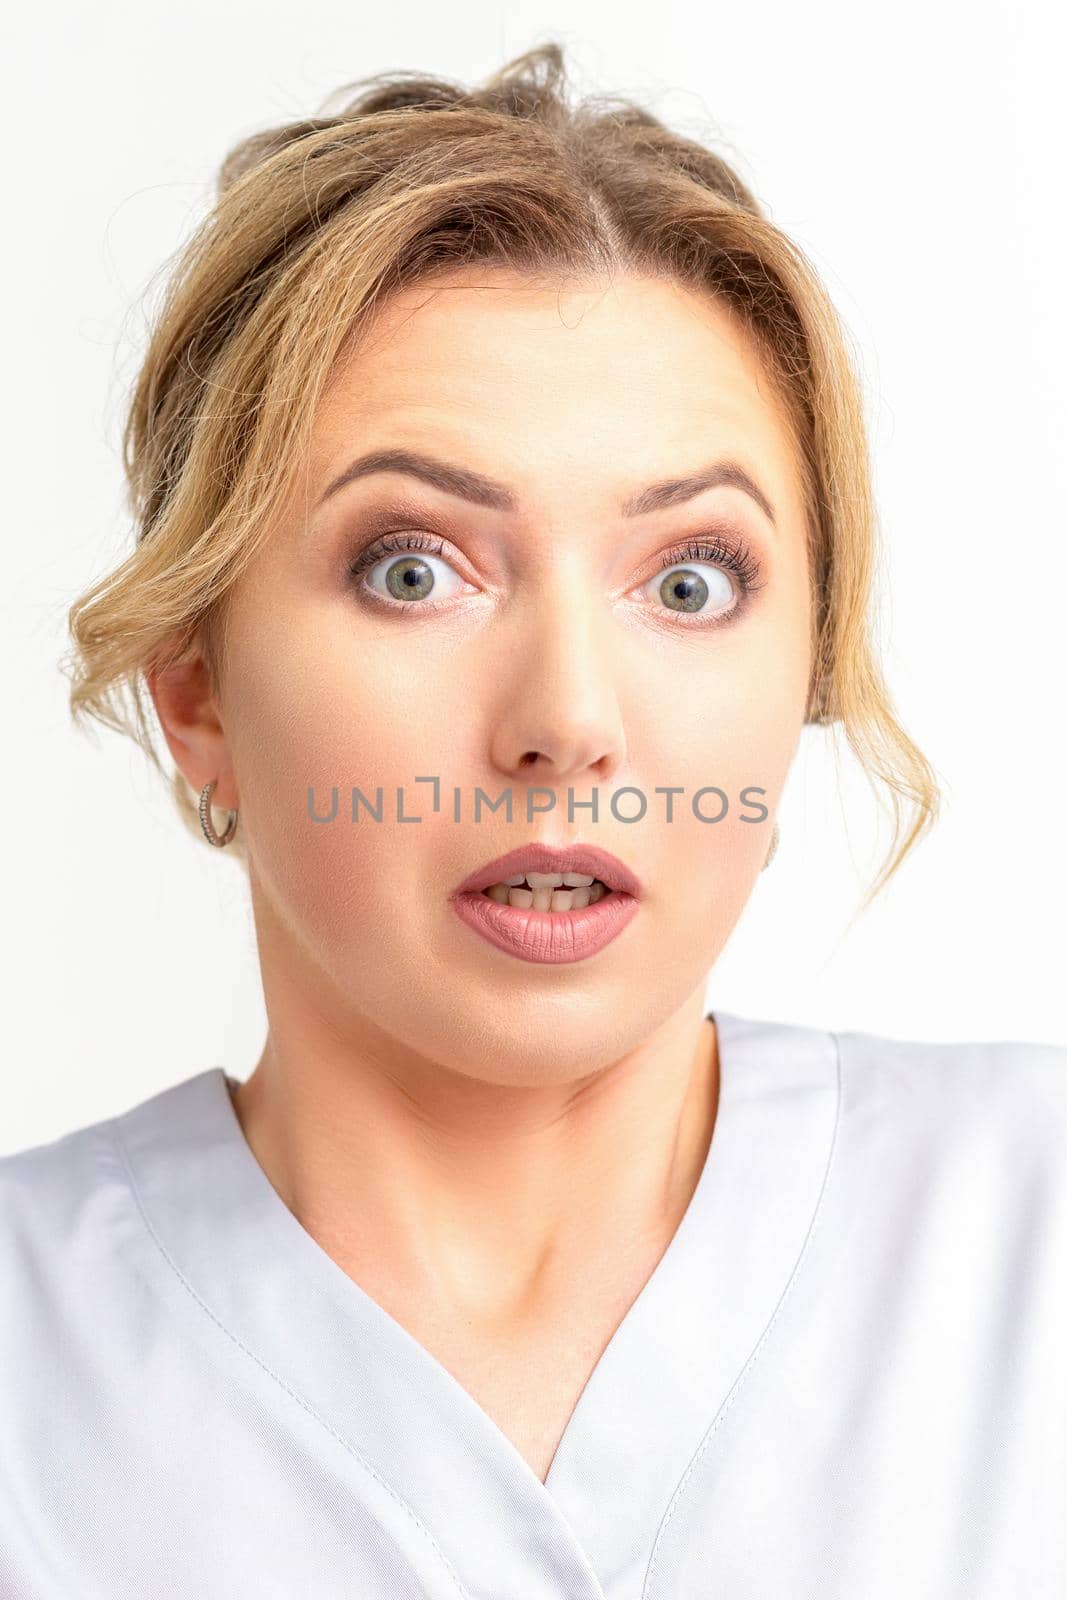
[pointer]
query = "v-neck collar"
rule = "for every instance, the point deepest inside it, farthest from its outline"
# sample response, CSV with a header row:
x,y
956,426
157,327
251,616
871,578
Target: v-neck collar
x,y
650,1402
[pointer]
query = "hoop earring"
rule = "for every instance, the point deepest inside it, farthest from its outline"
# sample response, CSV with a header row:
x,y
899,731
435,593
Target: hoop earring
x,y
774,845
205,818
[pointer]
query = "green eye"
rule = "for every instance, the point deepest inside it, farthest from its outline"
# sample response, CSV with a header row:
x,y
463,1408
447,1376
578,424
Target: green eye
x,y
710,578
409,577
401,569
688,590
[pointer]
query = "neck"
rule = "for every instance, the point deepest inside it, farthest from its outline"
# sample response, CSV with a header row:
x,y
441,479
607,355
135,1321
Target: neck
x,y
494,1199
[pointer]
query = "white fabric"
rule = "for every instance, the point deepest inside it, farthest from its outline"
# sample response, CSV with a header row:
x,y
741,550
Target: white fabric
x,y
845,1379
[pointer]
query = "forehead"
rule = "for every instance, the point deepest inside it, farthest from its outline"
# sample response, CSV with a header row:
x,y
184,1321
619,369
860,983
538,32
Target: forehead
x,y
633,373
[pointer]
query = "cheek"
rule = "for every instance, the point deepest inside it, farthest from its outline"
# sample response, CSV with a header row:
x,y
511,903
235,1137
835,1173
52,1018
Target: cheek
x,y
321,710
730,719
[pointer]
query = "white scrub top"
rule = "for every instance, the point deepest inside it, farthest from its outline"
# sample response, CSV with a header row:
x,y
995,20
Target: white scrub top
x,y
844,1380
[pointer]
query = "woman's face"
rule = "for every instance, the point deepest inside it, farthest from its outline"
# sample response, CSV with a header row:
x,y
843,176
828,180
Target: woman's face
x,y
551,644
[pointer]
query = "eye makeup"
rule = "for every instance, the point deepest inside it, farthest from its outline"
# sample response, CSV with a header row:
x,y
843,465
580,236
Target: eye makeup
x,y
717,546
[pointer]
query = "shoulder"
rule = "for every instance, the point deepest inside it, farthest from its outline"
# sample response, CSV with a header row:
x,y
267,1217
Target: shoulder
x,y
1006,1097
63,1215
65,1198
55,1197
955,1065
51,1174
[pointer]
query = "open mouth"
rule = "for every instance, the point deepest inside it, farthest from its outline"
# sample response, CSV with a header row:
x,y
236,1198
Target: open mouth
x,y
548,891
541,918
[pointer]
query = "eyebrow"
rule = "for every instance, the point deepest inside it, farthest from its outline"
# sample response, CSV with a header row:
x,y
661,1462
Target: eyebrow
x,y
483,491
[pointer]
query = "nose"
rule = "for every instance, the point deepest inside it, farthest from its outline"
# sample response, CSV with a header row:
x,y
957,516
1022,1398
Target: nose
x,y
558,716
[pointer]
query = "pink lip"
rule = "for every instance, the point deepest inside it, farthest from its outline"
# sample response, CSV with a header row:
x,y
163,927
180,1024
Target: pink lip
x,y
549,936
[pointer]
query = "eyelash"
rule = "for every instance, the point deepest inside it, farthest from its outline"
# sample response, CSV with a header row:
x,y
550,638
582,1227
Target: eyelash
x,y
715,548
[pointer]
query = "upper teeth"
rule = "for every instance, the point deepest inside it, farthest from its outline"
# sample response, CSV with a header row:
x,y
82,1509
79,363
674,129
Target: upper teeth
x,y
548,891
550,880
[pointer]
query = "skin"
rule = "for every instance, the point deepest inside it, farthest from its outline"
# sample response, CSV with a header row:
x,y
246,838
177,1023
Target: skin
x,y
494,1149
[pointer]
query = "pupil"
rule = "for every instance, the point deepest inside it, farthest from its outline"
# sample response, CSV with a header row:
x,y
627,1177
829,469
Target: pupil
x,y
409,578
687,591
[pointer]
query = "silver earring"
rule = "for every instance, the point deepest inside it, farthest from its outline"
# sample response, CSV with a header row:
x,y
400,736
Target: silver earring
x,y
774,845
205,818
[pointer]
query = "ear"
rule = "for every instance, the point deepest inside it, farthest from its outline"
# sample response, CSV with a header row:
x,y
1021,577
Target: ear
x,y
188,713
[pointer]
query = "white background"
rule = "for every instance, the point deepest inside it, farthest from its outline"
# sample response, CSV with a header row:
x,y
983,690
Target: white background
x,y
912,151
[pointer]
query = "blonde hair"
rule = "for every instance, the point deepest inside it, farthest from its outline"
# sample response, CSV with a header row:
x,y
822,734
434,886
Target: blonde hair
x,y
317,221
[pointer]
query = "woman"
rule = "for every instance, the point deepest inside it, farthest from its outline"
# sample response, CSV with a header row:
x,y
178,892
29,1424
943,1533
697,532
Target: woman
x,y
500,468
